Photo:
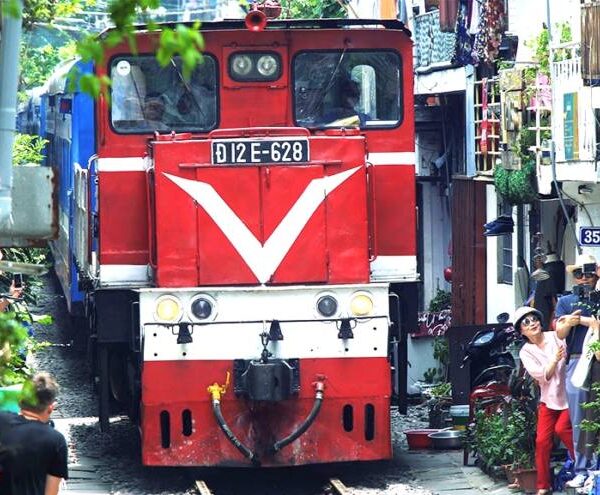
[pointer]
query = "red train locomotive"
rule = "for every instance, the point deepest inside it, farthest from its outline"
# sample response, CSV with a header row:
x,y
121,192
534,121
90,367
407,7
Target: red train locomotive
x,y
242,242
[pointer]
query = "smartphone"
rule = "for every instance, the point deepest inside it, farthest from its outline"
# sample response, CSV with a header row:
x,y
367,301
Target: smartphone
x,y
18,279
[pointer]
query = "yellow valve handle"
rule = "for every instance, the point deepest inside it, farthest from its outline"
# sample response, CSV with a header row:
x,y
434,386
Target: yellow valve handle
x,y
216,390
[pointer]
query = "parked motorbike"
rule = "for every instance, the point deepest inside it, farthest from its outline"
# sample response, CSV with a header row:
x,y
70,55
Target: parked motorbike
x,y
487,353
491,364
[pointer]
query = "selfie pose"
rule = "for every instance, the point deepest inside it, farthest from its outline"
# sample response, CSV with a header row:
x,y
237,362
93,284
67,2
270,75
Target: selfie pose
x,y
543,356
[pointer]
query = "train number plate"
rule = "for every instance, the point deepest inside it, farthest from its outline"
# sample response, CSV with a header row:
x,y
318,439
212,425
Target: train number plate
x,y
254,151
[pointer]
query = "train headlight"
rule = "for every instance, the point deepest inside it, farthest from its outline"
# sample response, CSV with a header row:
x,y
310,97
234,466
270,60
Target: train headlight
x,y
202,307
255,66
241,65
267,65
327,306
168,309
361,304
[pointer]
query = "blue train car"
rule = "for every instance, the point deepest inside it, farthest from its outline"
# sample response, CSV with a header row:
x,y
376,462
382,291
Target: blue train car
x,y
29,112
67,122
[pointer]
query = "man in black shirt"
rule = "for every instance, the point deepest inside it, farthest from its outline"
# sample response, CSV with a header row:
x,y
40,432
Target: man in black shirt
x,y
33,455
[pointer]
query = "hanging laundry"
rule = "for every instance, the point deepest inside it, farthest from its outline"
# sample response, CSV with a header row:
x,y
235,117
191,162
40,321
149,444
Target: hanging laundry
x,y
464,40
491,28
402,12
448,14
475,17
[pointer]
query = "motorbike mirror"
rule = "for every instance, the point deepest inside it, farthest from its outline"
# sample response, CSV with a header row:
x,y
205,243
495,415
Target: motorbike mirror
x,y
503,317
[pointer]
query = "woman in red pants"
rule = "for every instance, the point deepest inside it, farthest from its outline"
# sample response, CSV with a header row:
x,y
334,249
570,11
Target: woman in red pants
x,y
543,356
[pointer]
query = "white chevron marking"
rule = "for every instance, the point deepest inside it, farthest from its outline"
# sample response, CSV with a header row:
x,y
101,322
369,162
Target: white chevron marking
x,y
262,260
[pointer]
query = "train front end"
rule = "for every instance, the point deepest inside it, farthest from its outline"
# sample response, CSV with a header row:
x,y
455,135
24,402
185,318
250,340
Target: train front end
x,y
251,252
265,321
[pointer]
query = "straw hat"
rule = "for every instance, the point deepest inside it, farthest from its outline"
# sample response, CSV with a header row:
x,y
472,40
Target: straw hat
x,y
582,259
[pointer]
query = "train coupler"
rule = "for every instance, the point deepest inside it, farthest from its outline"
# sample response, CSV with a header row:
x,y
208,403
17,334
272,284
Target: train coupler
x,y
272,380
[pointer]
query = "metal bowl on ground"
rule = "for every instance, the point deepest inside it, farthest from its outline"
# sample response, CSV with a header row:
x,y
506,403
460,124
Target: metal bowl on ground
x,y
447,439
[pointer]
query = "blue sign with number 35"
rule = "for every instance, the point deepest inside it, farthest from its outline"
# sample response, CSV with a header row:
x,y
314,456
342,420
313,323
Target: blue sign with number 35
x,y
589,236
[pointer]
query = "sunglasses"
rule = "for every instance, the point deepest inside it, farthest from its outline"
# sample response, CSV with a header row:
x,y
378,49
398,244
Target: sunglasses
x,y
578,274
529,320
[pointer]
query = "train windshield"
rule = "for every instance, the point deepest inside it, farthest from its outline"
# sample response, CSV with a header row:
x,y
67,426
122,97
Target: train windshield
x,y
147,97
348,88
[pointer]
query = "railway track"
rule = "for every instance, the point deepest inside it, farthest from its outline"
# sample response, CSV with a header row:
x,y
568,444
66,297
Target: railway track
x,y
334,486
337,487
202,488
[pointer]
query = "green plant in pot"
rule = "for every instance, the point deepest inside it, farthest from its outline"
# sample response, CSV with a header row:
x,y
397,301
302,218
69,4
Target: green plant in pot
x,y
517,186
503,431
499,438
441,394
591,424
440,301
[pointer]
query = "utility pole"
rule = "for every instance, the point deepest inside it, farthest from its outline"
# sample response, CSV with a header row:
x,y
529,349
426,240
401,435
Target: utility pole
x,y
28,216
10,41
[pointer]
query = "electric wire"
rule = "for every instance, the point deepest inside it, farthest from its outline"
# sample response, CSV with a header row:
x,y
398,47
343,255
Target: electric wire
x,y
560,199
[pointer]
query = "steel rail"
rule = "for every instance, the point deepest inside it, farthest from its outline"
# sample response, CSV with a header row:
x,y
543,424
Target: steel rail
x,y
202,488
338,487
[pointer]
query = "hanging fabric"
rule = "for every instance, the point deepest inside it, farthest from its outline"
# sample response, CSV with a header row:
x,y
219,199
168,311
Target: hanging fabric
x,y
475,17
448,14
464,40
590,32
491,28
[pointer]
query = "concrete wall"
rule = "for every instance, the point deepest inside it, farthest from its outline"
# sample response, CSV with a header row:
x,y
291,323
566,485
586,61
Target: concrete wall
x,y
434,217
436,239
586,217
420,358
500,297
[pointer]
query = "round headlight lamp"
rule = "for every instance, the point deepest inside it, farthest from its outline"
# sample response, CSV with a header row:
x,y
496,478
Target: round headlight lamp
x,y
327,306
241,65
168,309
361,305
202,308
267,65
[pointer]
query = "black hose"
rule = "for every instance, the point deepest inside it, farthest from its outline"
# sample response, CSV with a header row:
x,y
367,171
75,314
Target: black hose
x,y
216,405
277,446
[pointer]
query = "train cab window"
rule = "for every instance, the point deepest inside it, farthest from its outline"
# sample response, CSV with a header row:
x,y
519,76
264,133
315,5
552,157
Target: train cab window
x,y
147,97
348,88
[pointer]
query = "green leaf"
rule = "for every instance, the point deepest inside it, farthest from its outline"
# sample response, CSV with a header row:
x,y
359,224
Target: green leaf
x,y
113,38
42,319
11,8
90,84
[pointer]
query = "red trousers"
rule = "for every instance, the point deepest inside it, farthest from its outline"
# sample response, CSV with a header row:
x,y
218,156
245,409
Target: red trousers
x,y
550,421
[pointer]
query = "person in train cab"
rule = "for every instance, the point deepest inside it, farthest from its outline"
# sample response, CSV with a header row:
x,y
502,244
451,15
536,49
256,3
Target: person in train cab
x,y
191,103
349,99
33,455
154,111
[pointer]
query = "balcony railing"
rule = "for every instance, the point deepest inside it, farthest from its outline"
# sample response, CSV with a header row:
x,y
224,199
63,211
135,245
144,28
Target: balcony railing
x,y
575,133
433,47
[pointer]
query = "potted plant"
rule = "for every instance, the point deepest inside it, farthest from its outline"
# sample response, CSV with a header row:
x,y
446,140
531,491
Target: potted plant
x,y
503,432
591,425
439,404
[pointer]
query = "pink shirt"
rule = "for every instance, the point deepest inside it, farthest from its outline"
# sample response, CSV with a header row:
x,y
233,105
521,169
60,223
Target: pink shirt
x,y
536,359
